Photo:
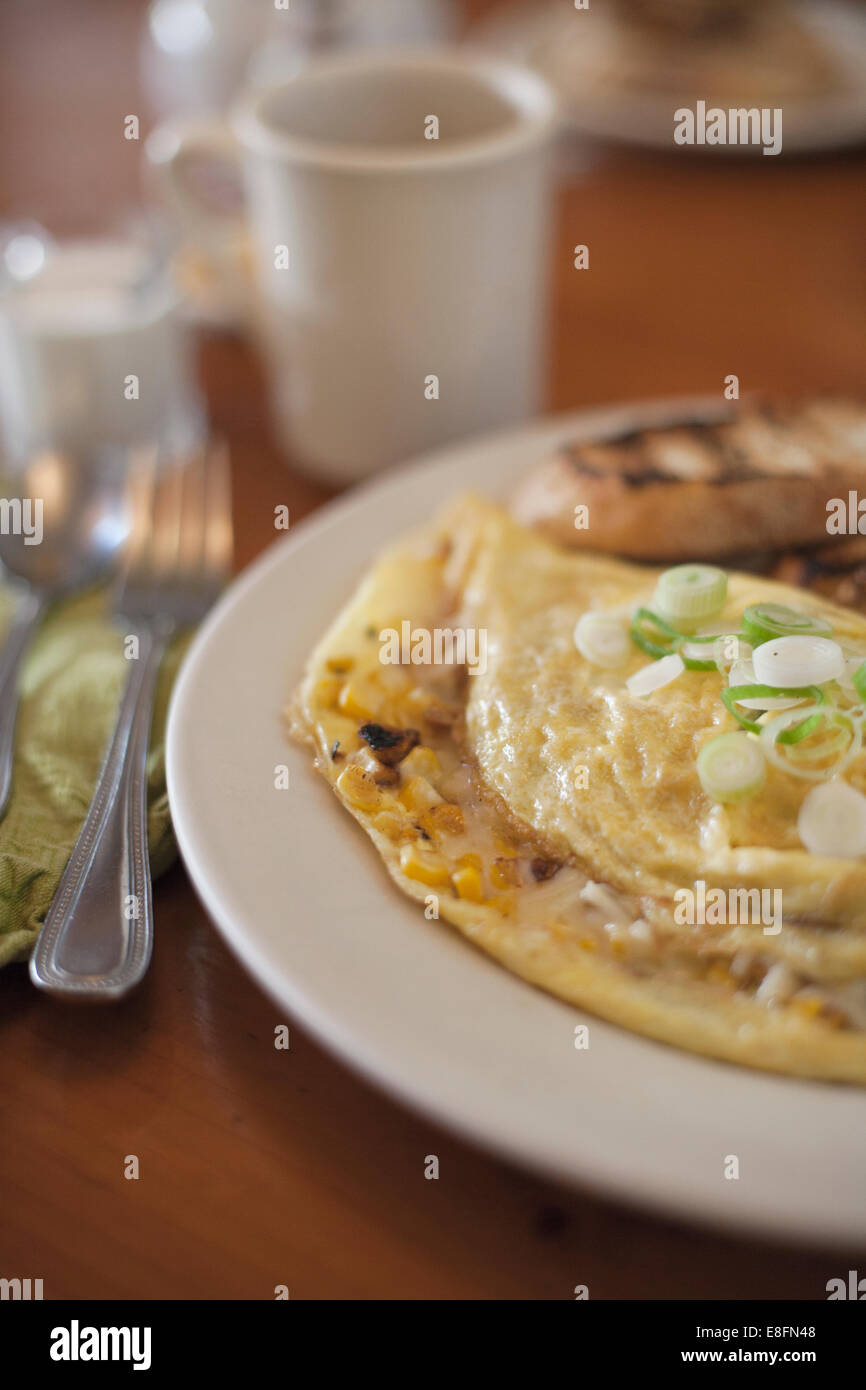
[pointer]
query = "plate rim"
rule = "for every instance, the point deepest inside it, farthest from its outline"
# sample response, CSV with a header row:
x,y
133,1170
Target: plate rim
x,y
832,126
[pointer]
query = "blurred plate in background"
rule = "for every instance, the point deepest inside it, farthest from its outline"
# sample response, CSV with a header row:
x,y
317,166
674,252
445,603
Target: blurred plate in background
x,y
610,79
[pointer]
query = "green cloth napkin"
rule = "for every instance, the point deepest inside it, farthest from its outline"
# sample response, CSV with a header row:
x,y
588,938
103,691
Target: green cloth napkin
x,y
71,684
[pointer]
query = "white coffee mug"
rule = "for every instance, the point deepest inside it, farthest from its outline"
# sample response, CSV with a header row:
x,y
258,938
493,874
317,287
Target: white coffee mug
x,y
398,205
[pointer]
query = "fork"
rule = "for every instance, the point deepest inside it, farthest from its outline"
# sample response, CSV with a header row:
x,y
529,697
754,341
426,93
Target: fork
x,y
97,938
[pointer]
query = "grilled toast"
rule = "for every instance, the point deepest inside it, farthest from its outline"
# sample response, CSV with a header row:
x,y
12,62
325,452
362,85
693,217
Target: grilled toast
x,y
759,481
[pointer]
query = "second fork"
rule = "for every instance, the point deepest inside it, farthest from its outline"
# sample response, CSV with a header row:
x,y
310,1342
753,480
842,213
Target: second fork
x,y
97,938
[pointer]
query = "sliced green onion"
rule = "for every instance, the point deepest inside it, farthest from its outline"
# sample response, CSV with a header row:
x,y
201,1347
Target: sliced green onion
x,y
602,640
734,693
858,680
776,731
656,675
763,621
697,660
720,635
809,726
717,635
692,592
644,617
731,767
743,673
813,753
711,633
721,651
666,641
832,821
694,654
798,661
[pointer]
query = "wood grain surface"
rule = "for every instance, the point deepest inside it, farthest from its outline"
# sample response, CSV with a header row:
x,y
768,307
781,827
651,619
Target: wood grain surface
x,y
261,1167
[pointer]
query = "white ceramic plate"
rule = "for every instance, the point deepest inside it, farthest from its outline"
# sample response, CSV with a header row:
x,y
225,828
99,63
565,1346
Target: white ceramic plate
x,y
301,897
540,34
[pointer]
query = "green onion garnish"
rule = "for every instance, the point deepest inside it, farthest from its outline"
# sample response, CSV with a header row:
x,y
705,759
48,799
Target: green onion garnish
x,y
858,680
812,753
697,663
731,767
733,693
648,644
692,592
795,760
694,664
764,621
666,640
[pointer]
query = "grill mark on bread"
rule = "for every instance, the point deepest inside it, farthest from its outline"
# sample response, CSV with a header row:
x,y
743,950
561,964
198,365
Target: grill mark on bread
x,y
724,460
732,451
610,450
733,464
755,481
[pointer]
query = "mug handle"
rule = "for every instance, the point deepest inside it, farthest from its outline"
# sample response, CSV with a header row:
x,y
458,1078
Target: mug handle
x,y
170,150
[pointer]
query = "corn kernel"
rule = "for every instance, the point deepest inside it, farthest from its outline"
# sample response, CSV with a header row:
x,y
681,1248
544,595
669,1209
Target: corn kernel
x,y
423,867
588,944
421,762
394,823
467,881
327,691
505,873
340,665
356,701
419,794
817,1007
383,776
446,819
470,859
809,1007
358,787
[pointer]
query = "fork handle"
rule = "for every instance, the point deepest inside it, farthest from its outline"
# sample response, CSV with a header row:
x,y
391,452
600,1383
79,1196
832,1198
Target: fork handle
x,y
97,938
25,622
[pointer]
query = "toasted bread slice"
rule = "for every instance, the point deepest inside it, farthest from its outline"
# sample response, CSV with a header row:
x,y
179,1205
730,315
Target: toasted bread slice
x,y
836,570
758,481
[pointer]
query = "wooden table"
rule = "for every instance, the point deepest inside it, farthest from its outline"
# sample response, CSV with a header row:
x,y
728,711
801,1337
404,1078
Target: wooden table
x,y
260,1167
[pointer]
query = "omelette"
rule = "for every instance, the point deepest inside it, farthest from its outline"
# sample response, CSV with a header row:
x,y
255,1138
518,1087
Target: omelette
x,y
658,818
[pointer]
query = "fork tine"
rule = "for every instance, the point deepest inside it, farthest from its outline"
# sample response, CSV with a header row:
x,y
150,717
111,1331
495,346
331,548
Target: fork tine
x,y
183,541
218,530
191,542
140,492
167,521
